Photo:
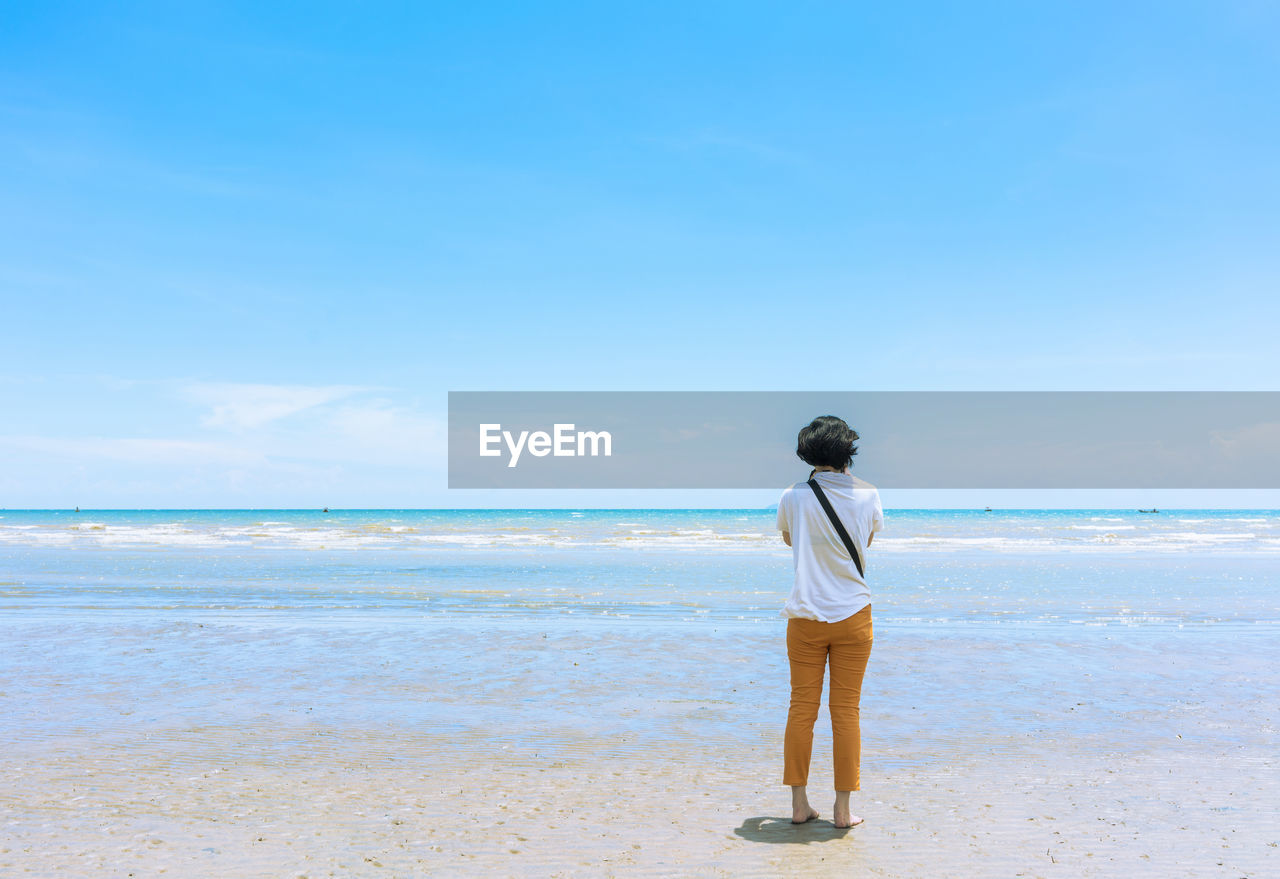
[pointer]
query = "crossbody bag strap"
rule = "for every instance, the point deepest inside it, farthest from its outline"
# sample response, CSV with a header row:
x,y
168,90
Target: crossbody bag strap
x,y
835,520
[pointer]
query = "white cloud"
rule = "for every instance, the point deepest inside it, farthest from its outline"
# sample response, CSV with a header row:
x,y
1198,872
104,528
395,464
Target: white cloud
x,y
388,433
142,450
1261,441
247,406
242,445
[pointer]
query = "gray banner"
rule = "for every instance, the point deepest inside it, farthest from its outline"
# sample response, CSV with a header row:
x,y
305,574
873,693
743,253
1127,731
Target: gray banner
x,y
910,439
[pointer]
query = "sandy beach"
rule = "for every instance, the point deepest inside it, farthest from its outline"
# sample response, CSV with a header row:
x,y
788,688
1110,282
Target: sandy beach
x,y
475,751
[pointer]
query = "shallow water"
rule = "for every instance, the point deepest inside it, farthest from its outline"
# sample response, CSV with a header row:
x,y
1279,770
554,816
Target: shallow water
x,y
198,690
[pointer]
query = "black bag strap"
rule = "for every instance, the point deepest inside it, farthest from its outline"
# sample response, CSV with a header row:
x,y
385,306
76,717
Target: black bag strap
x,y
835,520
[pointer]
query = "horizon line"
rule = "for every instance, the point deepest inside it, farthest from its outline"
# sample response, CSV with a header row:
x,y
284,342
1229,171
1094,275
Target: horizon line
x,y
770,508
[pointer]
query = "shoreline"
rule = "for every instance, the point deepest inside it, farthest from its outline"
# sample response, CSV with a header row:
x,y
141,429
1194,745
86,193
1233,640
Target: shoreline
x,y
582,751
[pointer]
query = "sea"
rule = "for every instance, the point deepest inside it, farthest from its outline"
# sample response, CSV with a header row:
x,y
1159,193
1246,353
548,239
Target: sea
x,y
928,568
195,691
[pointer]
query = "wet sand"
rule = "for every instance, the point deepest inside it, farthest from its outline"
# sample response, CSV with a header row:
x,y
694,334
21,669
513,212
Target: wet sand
x,y
259,745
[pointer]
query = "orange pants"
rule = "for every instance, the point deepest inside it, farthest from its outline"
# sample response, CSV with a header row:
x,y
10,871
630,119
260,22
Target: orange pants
x,y
810,644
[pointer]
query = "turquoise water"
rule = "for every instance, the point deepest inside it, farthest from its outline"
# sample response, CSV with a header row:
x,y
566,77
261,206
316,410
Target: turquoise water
x,y
1016,531
928,568
187,611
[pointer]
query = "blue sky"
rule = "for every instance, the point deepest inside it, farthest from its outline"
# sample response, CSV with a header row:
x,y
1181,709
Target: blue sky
x,y
245,252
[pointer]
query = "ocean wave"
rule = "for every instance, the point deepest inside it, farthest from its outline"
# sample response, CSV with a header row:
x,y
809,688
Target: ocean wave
x,y
1035,532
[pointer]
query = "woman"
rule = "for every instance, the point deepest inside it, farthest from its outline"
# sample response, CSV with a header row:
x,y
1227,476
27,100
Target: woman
x,y
829,609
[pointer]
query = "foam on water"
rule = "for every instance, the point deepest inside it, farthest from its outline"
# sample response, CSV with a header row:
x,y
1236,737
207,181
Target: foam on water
x,y
733,530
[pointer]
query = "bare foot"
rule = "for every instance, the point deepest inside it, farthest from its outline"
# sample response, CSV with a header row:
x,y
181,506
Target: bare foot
x,y
843,818
800,816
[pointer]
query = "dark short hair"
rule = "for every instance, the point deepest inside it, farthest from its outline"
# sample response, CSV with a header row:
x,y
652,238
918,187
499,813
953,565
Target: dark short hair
x,y
827,441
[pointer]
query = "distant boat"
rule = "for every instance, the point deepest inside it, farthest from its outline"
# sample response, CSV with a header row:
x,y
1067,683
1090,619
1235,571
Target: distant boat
x,y
1152,510
986,510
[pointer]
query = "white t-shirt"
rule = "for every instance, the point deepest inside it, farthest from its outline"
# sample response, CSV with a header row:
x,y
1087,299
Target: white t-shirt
x,y
828,587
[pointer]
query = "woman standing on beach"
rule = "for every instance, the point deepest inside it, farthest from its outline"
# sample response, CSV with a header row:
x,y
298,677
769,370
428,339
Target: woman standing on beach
x,y
828,521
